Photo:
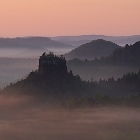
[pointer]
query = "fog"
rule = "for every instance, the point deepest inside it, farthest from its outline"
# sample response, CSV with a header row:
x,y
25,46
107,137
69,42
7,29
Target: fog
x,y
30,52
60,51
24,117
14,69
101,72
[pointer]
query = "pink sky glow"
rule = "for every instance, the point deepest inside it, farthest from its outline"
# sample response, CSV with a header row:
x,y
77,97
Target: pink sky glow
x,y
69,17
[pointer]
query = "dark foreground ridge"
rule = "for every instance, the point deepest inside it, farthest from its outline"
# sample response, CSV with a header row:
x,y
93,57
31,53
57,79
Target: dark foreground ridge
x,y
52,81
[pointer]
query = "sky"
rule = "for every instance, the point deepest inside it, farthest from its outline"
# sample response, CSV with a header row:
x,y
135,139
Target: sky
x,y
69,17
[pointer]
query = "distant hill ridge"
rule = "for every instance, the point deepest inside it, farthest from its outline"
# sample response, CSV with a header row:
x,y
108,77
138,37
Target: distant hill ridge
x,y
96,48
82,39
28,47
30,42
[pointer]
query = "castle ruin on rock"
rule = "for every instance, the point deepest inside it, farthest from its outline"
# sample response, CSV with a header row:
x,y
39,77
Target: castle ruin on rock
x,y
52,65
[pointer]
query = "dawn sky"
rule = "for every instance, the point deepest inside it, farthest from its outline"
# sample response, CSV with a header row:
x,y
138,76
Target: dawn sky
x,y
69,17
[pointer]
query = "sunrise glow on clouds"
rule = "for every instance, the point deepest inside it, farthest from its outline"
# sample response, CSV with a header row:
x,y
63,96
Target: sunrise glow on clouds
x,y
69,17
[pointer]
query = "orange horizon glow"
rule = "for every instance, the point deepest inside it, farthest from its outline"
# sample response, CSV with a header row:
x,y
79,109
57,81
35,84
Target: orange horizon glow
x,y
69,17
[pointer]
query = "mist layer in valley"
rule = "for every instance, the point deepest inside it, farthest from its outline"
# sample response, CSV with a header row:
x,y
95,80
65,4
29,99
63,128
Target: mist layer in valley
x,y
30,52
101,72
31,47
14,69
24,117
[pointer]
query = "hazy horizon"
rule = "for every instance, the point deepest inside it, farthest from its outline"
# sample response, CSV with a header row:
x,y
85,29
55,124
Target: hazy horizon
x,y
78,35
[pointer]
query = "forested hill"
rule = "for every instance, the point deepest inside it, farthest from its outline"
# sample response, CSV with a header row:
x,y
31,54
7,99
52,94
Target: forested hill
x,y
96,48
127,56
130,55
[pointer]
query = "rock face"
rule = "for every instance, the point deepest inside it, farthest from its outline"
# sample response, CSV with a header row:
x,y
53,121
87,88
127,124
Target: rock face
x,y
51,81
52,65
